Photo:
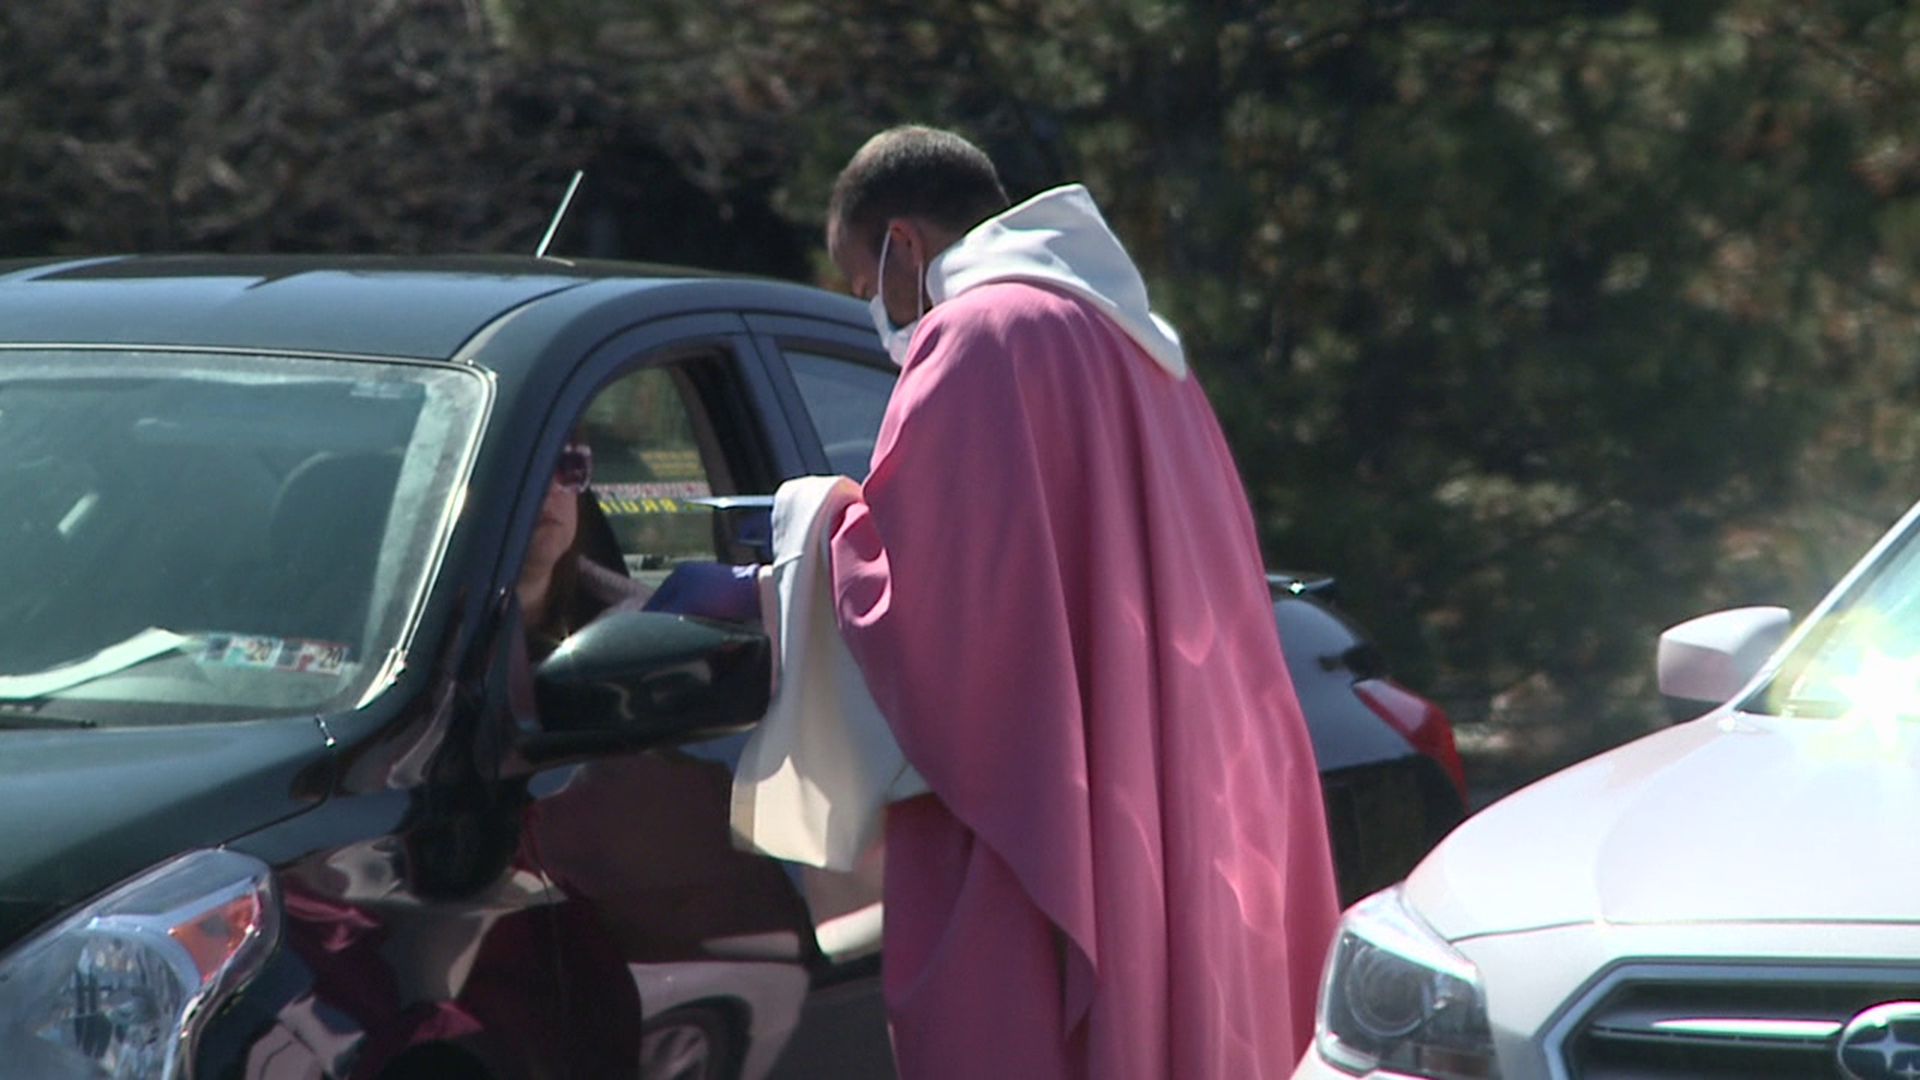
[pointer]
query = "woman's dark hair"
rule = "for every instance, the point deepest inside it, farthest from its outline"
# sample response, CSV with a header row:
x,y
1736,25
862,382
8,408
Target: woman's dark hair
x,y
565,611
914,171
589,577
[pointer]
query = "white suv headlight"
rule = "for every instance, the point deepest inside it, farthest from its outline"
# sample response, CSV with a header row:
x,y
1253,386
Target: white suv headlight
x,y
120,988
1397,997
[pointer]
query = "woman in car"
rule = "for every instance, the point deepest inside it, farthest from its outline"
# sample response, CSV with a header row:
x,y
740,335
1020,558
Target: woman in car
x,y
570,576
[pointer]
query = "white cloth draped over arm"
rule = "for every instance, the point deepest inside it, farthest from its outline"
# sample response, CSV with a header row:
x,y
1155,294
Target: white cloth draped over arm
x,y
819,769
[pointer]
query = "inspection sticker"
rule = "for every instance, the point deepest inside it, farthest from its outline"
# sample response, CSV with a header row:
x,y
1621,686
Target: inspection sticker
x,y
276,654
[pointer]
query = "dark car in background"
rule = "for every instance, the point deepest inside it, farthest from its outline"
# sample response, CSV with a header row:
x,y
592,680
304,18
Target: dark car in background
x,y
1391,775
282,796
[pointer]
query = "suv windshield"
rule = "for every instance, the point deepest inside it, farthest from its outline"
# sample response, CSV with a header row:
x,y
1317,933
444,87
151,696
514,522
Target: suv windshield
x,y
188,536
1862,659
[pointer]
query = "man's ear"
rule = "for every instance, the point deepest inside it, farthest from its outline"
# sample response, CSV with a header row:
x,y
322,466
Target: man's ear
x,y
927,240
897,238
923,245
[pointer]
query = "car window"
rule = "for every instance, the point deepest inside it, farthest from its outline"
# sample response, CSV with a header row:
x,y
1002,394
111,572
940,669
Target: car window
x,y
1860,659
185,532
650,468
846,400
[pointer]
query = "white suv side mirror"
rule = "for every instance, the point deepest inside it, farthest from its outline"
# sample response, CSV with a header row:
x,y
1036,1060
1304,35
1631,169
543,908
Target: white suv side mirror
x,y
1704,661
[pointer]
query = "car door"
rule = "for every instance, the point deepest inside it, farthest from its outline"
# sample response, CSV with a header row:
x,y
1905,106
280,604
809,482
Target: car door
x,y
715,944
736,959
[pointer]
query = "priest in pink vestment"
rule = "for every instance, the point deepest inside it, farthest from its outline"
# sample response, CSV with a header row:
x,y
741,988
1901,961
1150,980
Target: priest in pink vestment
x,y
1052,586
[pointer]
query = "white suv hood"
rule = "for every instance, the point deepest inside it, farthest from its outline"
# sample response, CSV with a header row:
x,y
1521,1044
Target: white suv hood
x,y
1729,818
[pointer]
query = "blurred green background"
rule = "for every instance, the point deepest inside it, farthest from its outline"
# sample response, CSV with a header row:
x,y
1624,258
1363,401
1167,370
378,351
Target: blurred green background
x,y
1541,326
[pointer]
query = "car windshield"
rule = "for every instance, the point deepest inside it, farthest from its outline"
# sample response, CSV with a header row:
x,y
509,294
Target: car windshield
x,y
1861,660
190,537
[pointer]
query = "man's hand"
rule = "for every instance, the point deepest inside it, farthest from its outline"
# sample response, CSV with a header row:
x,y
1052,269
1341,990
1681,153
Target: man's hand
x,y
709,590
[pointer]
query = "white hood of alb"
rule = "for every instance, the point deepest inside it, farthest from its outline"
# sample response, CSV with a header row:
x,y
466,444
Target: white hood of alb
x,y
1059,238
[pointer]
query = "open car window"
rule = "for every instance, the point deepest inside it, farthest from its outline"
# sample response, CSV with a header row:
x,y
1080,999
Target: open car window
x,y
653,464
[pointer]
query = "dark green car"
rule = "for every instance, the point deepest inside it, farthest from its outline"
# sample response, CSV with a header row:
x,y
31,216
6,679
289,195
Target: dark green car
x,y
284,792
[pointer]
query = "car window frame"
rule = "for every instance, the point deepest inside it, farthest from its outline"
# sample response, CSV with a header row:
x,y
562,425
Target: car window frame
x,y
647,343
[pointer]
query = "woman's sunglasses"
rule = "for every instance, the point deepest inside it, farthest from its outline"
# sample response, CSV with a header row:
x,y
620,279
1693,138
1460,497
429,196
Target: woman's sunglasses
x,y
574,468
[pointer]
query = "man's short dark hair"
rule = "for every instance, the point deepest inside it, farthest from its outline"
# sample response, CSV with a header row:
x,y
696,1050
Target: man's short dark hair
x,y
914,171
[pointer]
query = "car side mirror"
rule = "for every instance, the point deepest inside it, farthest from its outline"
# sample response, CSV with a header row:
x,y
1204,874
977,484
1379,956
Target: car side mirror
x,y
636,679
1704,661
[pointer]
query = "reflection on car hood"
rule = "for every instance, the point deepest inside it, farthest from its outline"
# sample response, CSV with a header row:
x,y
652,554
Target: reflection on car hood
x,y
1729,818
83,809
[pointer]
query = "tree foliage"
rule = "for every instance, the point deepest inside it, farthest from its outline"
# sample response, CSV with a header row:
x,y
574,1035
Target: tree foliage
x,y
333,125
1541,326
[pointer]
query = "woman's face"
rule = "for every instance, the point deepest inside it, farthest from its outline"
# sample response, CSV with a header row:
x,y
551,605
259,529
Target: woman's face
x,y
559,512
553,534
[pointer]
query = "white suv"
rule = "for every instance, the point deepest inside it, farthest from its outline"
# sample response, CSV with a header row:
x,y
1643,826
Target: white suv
x,y
1735,896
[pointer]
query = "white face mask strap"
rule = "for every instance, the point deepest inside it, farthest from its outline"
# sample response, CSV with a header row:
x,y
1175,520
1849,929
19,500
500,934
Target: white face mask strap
x,y
920,303
880,281
897,339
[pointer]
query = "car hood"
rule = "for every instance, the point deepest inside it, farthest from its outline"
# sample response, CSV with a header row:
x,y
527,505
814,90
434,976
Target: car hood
x,y
83,809
1729,818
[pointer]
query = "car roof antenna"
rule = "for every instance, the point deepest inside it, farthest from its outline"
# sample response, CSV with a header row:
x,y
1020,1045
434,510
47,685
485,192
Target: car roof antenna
x,y
560,214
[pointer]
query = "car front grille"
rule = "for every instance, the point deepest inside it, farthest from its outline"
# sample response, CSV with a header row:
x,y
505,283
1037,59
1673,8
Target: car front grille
x,y
1716,1022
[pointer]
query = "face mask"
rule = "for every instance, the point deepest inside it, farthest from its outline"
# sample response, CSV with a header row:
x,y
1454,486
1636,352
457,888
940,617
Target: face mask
x,y
895,338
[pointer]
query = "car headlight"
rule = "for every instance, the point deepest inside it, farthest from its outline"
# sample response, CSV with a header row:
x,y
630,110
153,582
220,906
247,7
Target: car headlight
x,y
1397,997
120,988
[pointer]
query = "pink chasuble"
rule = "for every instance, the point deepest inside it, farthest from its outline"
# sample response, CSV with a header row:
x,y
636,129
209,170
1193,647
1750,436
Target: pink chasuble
x,y
1054,592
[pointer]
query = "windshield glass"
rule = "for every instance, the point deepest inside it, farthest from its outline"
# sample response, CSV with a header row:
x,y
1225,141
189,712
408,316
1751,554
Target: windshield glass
x,y
1862,659
186,537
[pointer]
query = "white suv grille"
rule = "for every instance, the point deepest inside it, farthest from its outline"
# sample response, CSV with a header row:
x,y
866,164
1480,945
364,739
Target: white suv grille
x,y
1719,1022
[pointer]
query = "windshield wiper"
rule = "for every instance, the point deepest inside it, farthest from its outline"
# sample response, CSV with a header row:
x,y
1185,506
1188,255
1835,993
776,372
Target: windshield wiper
x,y
16,721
